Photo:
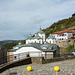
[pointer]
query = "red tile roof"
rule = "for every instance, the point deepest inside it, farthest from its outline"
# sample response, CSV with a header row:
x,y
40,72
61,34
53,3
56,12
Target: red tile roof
x,y
60,32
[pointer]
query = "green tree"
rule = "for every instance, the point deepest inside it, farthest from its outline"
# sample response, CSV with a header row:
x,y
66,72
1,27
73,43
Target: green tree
x,y
73,14
69,48
9,45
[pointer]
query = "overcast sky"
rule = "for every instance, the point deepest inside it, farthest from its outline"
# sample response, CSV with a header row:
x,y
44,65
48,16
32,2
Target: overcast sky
x,y
19,18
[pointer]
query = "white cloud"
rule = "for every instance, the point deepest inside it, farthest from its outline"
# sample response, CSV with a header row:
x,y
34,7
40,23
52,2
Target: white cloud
x,y
20,17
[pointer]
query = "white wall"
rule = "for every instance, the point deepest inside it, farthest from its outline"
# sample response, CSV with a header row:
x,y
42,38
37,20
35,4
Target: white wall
x,y
34,41
60,37
22,53
26,49
52,41
42,36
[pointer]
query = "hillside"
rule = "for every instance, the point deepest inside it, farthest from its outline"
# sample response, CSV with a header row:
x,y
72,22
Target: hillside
x,y
9,44
61,25
6,41
58,26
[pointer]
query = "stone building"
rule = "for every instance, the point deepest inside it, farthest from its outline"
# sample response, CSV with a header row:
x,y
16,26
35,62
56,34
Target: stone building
x,y
65,43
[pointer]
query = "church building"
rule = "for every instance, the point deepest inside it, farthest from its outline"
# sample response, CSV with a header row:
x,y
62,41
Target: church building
x,y
40,37
37,46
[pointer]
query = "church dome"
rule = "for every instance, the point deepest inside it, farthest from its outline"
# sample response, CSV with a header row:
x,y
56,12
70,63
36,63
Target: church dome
x,y
45,45
51,37
30,37
37,37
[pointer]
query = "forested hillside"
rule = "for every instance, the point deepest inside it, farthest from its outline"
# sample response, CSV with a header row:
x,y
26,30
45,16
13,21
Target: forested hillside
x,y
61,25
58,26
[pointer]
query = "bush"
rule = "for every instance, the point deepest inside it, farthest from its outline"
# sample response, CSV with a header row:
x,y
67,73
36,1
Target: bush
x,y
73,14
69,48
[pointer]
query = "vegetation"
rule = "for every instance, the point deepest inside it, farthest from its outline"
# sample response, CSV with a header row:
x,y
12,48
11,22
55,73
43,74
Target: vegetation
x,y
58,26
23,42
73,14
61,25
9,45
69,48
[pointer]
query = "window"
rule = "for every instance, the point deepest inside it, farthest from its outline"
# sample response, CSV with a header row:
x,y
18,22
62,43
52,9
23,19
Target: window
x,y
64,34
62,38
15,57
50,41
69,40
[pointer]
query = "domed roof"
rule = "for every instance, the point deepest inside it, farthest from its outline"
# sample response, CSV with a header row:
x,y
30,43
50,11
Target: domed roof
x,y
30,37
45,45
51,37
37,37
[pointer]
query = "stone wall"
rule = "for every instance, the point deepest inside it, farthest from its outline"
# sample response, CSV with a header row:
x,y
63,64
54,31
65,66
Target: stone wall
x,y
65,43
44,61
37,60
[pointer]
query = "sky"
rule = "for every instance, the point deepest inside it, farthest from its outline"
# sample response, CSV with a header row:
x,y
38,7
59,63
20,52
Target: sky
x,y
19,18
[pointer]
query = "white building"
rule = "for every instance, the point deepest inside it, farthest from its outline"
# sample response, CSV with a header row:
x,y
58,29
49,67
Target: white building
x,y
63,35
34,50
37,46
40,37
51,40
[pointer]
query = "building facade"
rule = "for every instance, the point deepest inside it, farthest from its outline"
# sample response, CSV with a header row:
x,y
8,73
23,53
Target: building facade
x,y
63,35
34,50
65,43
40,38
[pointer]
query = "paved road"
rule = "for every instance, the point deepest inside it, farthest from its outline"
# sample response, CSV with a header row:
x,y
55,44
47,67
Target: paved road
x,y
66,68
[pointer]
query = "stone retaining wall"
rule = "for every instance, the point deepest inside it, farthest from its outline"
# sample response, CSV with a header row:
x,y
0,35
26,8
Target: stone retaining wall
x,y
44,61
37,60
41,60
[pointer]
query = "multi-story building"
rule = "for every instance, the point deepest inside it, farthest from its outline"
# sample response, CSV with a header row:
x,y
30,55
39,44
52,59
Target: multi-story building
x,y
63,35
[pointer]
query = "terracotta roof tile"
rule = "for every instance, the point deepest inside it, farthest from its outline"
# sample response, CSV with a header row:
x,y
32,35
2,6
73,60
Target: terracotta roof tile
x,y
60,32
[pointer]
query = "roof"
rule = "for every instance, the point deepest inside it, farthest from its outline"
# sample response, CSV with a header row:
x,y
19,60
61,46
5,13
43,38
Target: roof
x,y
37,37
51,37
12,50
30,37
60,32
18,46
50,47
